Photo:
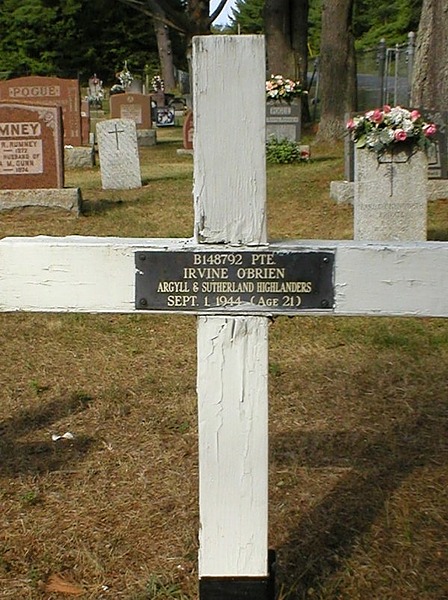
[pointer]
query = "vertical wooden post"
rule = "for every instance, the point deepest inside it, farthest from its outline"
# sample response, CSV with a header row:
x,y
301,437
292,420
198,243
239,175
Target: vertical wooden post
x,y
230,208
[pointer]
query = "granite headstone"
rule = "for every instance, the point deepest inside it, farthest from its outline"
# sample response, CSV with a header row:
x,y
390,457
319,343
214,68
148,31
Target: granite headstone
x,y
188,131
52,91
31,147
136,107
118,154
390,200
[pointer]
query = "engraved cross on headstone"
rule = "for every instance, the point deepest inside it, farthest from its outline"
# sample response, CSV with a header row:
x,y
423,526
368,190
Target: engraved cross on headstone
x,y
116,131
355,278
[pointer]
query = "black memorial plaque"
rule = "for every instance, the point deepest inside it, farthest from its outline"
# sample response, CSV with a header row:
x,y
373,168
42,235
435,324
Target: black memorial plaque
x,y
246,282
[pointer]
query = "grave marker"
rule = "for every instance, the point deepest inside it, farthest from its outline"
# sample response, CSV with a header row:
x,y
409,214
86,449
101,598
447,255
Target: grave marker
x,y
438,153
283,120
188,131
136,107
230,219
50,91
165,117
390,195
118,154
31,150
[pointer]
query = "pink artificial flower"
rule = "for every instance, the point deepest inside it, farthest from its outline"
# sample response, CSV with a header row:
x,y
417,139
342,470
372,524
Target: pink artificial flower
x,y
386,109
400,135
350,124
377,116
429,129
415,115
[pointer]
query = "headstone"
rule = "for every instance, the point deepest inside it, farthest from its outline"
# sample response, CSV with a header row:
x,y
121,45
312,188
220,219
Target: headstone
x,y
71,274
159,98
349,158
85,122
390,200
438,151
188,131
136,86
53,92
165,116
136,107
31,148
118,154
283,120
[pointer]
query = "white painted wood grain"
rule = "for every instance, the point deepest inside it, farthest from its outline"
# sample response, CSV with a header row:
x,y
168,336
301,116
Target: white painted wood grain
x,y
233,434
72,274
407,279
229,139
86,274
230,207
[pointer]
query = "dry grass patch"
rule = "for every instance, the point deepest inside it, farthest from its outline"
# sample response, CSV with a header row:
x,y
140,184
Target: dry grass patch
x,y
358,424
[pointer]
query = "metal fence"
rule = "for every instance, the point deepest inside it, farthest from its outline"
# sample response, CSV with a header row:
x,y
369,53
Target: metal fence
x,y
384,76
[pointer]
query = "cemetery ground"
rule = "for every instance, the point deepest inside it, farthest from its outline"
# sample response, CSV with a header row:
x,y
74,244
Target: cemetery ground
x,y
358,422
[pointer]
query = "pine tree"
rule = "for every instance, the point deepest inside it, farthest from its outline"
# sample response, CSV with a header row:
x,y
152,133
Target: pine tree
x,y
247,17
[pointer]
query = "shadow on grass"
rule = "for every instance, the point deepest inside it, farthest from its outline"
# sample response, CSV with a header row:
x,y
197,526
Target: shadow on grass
x,y
378,466
33,457
97,207
438,235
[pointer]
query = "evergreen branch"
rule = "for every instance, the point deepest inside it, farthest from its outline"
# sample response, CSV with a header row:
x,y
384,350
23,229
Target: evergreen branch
x,y
152,9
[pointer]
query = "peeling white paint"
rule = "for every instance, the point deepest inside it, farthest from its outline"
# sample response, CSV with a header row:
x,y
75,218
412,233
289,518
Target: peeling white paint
x,y
233,438
229,170
86,274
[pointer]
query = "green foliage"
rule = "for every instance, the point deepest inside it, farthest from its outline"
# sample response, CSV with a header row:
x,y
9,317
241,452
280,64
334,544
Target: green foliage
x,y
391,20
77,38
314,26
74,38
247,17
282,151
162,589
388,19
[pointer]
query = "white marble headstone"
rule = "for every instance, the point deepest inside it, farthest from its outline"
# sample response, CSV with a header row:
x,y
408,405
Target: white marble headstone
x,y
390,196
118,153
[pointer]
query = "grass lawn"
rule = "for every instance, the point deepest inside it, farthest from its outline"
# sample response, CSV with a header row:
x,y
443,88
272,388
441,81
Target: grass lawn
x,y
358,422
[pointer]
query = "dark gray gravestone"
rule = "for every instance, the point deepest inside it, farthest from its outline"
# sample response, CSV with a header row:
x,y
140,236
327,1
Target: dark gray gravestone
x,y
438,153
283,120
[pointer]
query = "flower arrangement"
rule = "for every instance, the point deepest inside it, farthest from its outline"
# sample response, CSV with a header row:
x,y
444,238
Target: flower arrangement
x,y
157,84
125,76
383,129
280,88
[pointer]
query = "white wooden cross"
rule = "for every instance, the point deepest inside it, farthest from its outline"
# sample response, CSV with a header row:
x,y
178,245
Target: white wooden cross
x,y
87,274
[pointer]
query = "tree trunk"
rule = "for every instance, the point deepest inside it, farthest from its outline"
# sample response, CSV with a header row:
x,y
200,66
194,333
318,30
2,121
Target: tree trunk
x,y
165,54
199,13
286,29
299,37
337,71
281,59
430,77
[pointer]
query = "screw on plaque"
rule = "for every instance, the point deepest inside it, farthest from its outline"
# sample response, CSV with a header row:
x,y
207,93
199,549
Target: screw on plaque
x,y
325,259
143,302
325,303
142,257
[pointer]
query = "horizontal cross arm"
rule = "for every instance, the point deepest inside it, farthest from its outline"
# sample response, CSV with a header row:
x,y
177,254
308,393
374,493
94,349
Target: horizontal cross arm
x,y
86,274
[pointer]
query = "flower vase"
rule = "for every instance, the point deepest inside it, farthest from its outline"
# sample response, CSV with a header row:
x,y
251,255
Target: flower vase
x,y
283,119
390,201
